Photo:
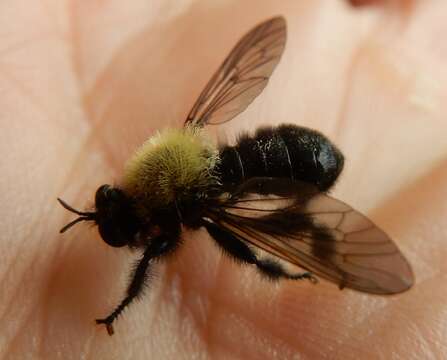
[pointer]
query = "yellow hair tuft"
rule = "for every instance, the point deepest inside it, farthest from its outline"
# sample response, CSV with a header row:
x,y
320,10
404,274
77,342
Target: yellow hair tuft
x,y
172,165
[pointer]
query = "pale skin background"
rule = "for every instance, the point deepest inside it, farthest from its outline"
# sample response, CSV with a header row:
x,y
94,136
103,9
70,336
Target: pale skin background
x,y
83,83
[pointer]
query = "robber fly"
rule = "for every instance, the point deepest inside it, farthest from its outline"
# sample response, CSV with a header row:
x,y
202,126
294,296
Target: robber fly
x,y
264,200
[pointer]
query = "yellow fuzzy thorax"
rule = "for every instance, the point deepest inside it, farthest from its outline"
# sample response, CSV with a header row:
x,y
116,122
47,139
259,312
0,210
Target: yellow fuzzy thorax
x,y
172,165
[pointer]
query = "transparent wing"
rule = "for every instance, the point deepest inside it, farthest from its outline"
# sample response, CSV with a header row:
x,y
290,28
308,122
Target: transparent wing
x,y
312,230
242,76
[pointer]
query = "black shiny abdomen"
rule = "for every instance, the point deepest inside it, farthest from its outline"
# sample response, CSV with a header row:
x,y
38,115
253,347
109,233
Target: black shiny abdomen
x,y
285,151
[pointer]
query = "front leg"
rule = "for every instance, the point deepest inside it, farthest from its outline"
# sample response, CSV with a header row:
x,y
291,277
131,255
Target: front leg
x,y
158,247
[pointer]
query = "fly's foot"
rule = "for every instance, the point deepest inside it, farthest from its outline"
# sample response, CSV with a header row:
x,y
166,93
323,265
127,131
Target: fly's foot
x,y
311,277
108,324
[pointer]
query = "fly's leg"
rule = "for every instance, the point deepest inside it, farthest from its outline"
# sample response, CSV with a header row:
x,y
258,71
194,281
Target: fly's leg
x,y
158,247
242,252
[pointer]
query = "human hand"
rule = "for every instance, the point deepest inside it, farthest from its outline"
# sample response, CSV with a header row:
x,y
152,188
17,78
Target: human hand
x,y
84,84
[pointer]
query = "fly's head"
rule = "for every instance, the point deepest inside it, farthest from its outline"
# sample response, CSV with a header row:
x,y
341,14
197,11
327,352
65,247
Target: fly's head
x,y
114,215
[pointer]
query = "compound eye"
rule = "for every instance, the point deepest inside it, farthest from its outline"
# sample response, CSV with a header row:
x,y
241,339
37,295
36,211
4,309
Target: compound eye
x,y
112,235
102,195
